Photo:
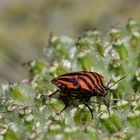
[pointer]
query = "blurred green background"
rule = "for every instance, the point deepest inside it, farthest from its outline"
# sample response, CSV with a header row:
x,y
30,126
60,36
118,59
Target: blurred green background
x,y
25,26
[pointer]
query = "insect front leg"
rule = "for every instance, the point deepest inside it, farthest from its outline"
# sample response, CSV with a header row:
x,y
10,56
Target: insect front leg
x,y
54,93
45,97
91,111
106,103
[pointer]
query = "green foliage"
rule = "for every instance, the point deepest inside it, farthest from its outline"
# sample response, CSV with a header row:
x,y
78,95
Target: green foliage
x,y
24,114
21,94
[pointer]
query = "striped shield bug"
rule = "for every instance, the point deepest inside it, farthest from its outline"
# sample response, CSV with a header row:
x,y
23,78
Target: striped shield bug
x,y
81,86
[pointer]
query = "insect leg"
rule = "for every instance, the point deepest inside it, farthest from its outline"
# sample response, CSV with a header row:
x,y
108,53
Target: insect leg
x,y
59,113
52,94
45,97
91,111
63,109
106,104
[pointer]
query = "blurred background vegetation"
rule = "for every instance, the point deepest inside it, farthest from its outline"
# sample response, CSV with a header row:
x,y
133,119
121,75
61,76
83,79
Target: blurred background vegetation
x,y
25,26
113,50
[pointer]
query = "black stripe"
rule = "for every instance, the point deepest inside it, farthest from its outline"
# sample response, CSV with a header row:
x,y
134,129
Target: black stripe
x,y
73,74
85,81
84,73
96,86
92,81
71,80
100,80
94,75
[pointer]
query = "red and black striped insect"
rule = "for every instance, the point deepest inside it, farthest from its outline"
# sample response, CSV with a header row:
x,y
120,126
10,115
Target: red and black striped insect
x,y
81,85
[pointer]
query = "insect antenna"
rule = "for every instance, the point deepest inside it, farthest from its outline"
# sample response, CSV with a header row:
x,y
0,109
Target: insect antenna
x,y
108,88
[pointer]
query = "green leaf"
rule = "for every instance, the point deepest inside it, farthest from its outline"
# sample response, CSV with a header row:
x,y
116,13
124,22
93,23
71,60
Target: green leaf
x,y
134,118
82,116
136,83
116,121
100,48
22,94
37,67
121,49
85,61
114,34
107,123
10,135
131,25
116,67
60,70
